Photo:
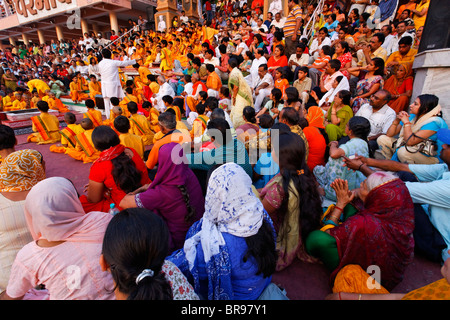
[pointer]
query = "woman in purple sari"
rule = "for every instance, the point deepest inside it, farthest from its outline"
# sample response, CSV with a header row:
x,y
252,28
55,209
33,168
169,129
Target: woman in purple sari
x,y
175,194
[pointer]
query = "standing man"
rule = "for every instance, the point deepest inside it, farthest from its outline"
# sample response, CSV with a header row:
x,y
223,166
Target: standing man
x,y
109,73
292,27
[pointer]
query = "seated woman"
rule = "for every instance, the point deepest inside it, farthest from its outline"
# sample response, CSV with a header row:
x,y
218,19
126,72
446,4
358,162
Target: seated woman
x,y
277,60
175,194
136,260
338,115
230,253
370,81
115,173
64,235
400,86
381,218
413,130
250,128
317,143
274,105
19,172
293,219
357,130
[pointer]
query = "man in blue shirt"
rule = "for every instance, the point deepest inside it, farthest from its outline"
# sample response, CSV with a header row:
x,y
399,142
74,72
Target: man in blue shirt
x,y
430,189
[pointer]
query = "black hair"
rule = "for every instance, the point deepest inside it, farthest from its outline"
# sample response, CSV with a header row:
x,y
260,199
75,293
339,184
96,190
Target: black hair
x,y
167,99
335,64
278,96
70,117
89,103
122,124
201,107
427,103
291,152
7,137
42,105
137,239
210,67
249,114
221,126
291,95
379,64
124,171
290,115
360,127
266,121
114,101
346,97
132,107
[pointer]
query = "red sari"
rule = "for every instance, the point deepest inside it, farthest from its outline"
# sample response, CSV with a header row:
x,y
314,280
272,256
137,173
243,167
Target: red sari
x,y
101,171
380,234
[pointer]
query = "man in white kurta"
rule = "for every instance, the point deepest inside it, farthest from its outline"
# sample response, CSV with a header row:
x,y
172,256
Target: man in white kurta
x,y
109,73
165,89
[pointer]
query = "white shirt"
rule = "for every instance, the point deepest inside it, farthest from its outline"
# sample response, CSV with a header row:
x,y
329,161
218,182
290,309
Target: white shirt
x,y
278,24
164,90
266,79
243,46
109,73
380,121
184,19
302,61
315,44
254,70
214,61
393,45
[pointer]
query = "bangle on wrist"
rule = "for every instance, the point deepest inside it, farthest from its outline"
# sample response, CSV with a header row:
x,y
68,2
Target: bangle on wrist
x,y
340,209
359,168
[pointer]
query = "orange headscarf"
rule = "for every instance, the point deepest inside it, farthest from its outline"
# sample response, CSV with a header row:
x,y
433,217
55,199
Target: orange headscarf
x,y
315,117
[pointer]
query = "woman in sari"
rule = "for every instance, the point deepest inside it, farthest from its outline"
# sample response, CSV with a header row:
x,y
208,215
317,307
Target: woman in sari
x,y
338,115
230,253
175,195
64,235
412,129
116,172
400,86
19,172
241,93
292,200
166,57
343,54
375,228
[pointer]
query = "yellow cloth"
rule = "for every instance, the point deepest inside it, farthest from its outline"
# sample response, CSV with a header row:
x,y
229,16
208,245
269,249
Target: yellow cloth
x,y
95,116
438,290
56,104
51,122
141,127
39,85
213,81
76,91
154,87
95,88
408,58
353,279
143,72
420,21
76,128
153,115
21,170
83,152
133,141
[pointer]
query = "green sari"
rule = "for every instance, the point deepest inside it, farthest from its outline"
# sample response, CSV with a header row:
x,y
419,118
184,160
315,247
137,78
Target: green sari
x,y
335,132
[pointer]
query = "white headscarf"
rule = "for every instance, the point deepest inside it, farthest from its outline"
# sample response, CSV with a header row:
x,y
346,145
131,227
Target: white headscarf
x,y
231,207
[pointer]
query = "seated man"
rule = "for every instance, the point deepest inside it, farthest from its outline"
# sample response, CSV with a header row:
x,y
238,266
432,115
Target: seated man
x,y
139,124
92,113
191,100
262,86
84,149
164,89
68,134
95,87
55,103
129,140
213,82
77,93
45,126
404,55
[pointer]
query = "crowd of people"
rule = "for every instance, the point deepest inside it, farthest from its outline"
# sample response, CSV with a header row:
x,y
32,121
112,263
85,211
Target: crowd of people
x,y
229,147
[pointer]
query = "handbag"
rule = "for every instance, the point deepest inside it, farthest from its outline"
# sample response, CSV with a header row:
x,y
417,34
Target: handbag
x,y
427,146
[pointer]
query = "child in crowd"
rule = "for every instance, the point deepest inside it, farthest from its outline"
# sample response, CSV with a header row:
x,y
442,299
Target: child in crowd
x,y
92,113
129,140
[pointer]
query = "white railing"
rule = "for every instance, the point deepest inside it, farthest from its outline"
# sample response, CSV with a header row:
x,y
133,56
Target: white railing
x,y
309,26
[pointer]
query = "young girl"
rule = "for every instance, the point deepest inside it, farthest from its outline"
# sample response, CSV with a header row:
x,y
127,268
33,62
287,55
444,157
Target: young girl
x,y
274,105
357,129
280,80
